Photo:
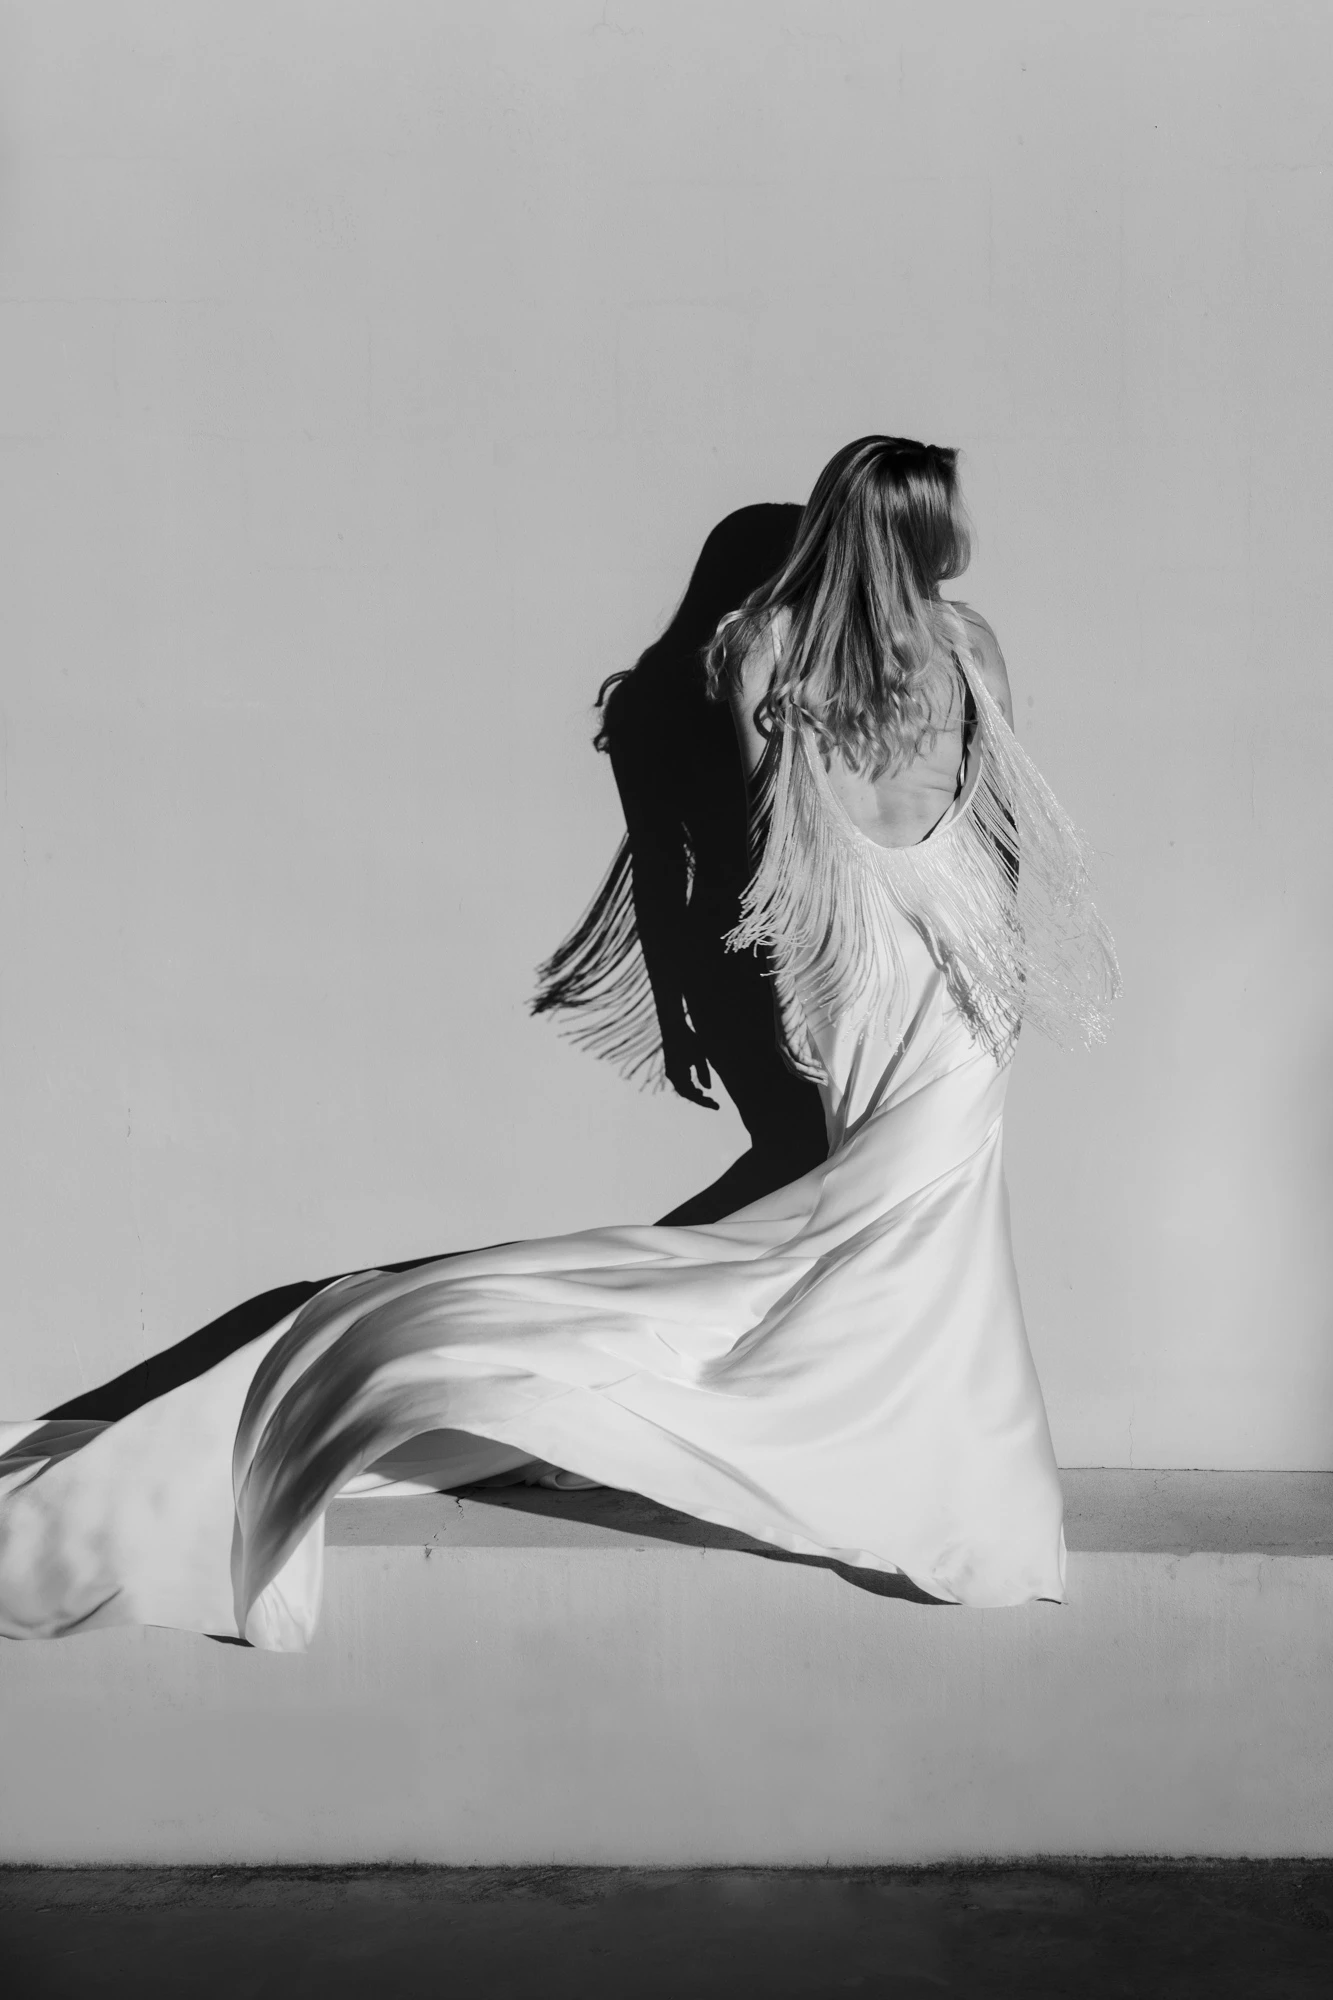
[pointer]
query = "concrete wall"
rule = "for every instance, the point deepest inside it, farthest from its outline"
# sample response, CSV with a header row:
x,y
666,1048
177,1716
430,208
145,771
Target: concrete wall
x,y
687,1706
369,376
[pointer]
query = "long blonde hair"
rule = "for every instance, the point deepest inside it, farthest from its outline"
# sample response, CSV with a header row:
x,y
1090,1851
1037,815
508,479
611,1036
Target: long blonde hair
x,y
883,528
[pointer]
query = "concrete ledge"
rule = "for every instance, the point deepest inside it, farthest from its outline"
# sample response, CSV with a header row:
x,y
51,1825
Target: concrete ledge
x,y
531,1678
1148,1513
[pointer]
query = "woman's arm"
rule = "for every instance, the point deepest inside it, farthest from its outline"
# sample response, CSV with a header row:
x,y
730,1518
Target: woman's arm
x,y
986,652
995,676
745,690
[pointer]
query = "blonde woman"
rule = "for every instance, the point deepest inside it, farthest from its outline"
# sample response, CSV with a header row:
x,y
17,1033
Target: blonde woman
x,y
841,1368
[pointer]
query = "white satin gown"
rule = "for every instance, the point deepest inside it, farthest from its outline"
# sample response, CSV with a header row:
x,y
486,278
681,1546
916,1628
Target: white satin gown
x,y
840,1370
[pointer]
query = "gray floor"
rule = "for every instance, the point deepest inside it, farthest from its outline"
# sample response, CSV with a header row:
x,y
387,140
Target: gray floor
x,y
1255,1931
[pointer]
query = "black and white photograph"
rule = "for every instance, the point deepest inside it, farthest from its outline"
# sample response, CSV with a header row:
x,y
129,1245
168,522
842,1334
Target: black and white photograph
x,y
666,999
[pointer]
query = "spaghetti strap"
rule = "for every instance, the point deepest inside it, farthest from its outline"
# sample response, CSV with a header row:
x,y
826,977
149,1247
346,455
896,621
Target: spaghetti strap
x,y
969,728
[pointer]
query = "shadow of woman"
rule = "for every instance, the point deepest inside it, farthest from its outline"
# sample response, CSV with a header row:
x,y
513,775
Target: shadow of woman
x,y
645,975
645,978
198,1352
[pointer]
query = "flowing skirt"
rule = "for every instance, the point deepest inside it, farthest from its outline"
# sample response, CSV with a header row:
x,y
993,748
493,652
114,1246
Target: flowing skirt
x,y
840,1369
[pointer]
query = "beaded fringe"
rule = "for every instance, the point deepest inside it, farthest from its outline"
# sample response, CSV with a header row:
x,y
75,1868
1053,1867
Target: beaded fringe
x,y
597,977
999,893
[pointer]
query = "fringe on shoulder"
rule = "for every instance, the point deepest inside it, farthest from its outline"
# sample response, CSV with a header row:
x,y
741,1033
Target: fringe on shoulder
x,y
598,979
999,890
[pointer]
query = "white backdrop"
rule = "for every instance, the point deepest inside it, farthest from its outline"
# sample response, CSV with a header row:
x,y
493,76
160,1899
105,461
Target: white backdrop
x,y
371,374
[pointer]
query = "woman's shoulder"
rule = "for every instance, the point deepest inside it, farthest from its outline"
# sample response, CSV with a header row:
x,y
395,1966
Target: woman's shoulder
x,y
753,667
749,677
985,650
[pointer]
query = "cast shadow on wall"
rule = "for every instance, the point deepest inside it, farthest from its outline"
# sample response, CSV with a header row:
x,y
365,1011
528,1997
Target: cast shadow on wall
x,y
199,1351
644,979
631,1513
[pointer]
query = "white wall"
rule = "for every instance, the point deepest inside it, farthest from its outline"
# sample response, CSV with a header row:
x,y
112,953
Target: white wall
x,y
680,1707
371,374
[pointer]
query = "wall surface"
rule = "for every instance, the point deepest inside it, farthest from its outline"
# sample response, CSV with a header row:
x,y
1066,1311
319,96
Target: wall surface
x,y
369,378
683,1706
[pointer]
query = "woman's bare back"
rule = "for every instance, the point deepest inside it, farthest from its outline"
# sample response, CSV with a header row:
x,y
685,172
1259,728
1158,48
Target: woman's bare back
x,y
900,806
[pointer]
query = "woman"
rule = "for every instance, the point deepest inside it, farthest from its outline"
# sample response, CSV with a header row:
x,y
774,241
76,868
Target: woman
x,y
646,979
841,1369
